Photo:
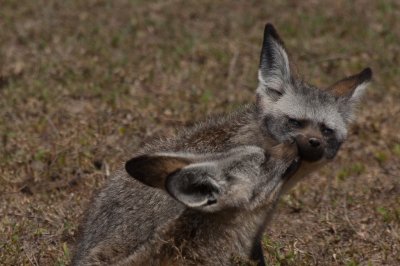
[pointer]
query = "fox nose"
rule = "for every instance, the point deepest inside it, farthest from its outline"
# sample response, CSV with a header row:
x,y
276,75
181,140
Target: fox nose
x,y
314,142
311,148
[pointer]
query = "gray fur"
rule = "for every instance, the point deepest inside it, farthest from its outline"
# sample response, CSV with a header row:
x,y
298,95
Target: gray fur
x,y
134,224
147,218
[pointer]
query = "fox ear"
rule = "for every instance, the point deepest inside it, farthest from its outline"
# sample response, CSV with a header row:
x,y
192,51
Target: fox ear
x,y
152,170
353,87
190,183
194,185
274,70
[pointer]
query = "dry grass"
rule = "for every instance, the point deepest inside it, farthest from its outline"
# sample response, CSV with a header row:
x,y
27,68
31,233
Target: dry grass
x,y
84,82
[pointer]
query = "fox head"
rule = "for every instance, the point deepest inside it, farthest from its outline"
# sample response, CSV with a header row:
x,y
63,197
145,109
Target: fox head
x,y
289,108
220,181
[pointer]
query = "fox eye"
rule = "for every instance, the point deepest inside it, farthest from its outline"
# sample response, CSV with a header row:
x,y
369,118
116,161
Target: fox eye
x,y
274,94
326,130
295,123
278,93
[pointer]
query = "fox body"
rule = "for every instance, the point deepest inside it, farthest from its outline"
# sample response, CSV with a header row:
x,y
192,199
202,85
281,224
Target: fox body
x,y
206,195
189,209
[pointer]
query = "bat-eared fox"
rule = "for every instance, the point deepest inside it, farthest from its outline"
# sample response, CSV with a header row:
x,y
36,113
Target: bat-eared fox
x,y
206,196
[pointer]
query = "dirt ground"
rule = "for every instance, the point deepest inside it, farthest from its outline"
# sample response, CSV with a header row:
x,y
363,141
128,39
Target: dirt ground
x,y
84,83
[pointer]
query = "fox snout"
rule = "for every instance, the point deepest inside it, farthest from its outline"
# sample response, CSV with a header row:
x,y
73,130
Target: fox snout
x,y
311,148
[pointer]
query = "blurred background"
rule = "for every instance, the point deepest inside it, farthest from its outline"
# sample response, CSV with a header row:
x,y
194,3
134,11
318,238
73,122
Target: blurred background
x,y
84,83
